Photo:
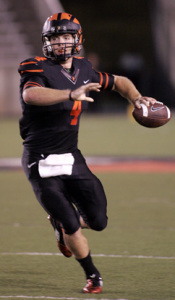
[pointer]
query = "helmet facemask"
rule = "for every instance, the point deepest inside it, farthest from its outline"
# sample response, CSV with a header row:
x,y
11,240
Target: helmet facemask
x,y
65,51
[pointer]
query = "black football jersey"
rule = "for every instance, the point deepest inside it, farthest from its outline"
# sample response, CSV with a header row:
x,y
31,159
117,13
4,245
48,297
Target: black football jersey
x,y
54,128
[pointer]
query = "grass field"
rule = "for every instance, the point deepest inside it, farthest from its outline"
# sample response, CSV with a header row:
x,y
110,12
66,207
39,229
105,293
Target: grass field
x,y
104,135
138,246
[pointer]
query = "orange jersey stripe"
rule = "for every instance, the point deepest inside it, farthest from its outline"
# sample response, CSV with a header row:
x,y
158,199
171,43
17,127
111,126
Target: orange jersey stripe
x,y
78,57
36,83
28,63
40,58
107,80
33,71
31,83
101,78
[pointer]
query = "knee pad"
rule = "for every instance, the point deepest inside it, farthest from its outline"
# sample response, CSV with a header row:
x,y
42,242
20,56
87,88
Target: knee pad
x,y
98,223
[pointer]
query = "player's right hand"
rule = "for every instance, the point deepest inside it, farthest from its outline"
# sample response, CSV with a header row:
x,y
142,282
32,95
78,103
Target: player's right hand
x,y
80,93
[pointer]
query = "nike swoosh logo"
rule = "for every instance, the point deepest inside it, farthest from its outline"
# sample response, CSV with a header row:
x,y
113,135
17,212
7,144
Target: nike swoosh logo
x,y
92,276
32,164
156,108
86,81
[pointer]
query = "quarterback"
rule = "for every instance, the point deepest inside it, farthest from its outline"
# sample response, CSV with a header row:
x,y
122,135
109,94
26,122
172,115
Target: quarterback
x,y
54,91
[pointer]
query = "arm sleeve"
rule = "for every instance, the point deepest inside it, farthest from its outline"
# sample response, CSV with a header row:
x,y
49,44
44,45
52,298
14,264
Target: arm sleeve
x,y
105,79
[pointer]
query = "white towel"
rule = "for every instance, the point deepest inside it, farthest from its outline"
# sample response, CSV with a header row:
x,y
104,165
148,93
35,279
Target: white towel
x,y
56,164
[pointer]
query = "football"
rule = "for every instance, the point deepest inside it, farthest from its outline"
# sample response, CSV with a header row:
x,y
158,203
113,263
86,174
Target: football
x,y
152,116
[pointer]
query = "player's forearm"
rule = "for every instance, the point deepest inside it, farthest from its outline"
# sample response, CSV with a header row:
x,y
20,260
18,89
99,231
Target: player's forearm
x,y
126,88
41,96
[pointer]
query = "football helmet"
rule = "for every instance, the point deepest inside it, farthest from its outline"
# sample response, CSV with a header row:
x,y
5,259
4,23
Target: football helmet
x,y
61,23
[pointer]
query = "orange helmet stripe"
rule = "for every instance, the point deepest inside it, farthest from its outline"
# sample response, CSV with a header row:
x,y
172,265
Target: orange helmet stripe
x,y
65,16
53,17
76,21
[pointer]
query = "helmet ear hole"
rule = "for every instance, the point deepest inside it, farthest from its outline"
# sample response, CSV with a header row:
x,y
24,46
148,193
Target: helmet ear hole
x,y
48,45
76,39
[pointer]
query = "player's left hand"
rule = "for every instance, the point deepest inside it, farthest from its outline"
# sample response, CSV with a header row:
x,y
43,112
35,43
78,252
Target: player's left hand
x,y
145,100
80,93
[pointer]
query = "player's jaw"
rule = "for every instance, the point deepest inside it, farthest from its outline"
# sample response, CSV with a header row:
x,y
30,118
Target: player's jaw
x,y
62,49
62,45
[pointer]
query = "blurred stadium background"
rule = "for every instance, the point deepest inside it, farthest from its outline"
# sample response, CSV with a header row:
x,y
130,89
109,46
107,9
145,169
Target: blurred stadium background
x,y
133,38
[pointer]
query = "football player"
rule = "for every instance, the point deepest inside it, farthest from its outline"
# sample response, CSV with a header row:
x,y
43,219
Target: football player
x,y
54,92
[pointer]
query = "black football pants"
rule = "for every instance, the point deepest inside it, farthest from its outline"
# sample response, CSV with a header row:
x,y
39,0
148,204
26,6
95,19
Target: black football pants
x,y
60,194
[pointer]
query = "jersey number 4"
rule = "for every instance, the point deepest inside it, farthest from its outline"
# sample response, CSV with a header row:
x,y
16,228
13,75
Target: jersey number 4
x,y
76,110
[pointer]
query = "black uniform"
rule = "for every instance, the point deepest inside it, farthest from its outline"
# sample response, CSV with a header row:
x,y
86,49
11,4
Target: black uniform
x,y
50,130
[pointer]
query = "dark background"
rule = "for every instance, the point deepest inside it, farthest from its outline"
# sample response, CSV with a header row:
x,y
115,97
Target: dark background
x,y
120,34
120,38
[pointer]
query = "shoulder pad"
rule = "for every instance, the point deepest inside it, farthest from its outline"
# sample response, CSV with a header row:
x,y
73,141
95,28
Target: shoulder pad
x,y
31,65
82,60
